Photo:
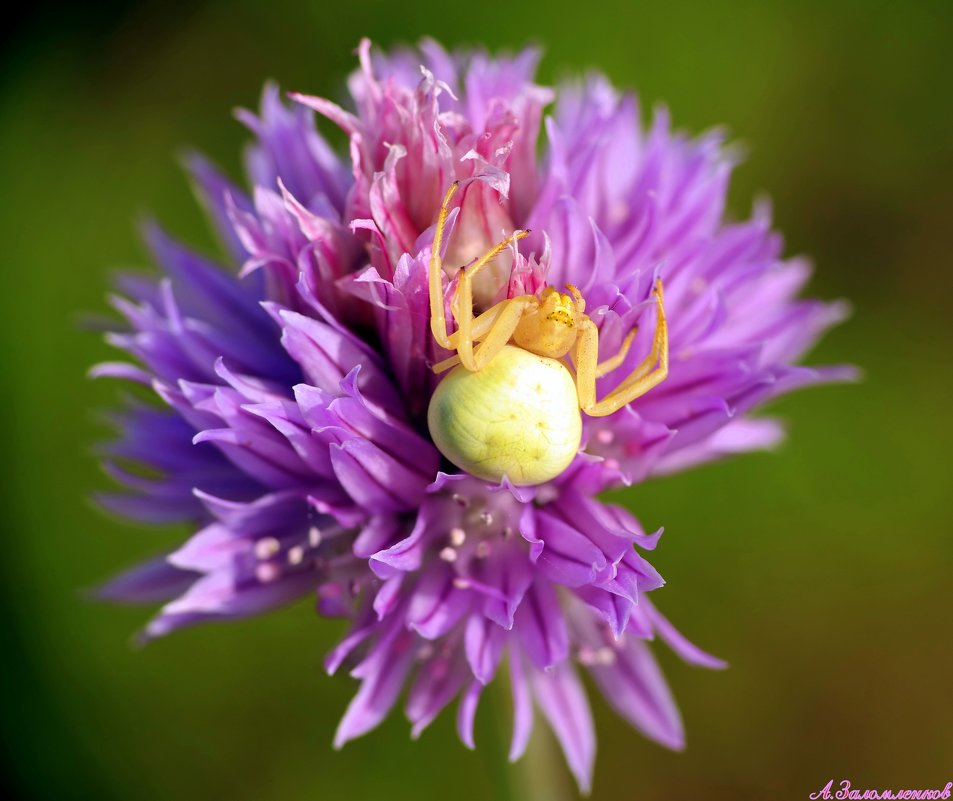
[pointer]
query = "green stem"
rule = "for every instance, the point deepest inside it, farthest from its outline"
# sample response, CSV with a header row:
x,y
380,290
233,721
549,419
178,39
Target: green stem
x,y
539,775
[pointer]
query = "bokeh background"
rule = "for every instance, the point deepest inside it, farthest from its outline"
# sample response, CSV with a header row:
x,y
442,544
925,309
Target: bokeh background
x,y
821,572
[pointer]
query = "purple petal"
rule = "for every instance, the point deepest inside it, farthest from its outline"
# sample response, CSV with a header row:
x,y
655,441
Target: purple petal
x,y
541,627
391,659
483,641
634,686
562,700
150,582
522,706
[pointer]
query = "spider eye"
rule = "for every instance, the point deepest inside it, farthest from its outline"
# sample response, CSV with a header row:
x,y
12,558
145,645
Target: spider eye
x,y
561,316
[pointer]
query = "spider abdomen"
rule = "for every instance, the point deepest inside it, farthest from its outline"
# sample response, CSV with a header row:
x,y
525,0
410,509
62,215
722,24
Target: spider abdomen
x,y
518,416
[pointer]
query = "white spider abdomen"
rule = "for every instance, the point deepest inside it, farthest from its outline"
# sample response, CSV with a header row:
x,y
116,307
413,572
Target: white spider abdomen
x,y
518,416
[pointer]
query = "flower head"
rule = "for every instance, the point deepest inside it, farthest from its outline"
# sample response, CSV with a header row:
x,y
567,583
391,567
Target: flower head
x,y
295,384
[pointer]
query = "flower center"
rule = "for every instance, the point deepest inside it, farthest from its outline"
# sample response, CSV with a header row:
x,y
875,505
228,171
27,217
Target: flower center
x,y
483,523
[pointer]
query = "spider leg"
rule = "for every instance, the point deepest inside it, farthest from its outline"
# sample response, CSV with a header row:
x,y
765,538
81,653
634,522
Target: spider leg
x,y
462,305
649,374
438,320
478,331
577,297
501,332
495,333
613,362
446,364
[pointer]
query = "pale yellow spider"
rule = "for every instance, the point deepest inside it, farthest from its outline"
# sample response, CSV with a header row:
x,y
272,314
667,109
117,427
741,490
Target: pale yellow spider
x,y
511,407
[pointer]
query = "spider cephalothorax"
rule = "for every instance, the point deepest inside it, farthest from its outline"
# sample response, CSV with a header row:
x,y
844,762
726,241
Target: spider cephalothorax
x,y
511,407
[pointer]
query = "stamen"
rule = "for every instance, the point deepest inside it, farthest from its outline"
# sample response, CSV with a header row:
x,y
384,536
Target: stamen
x,y
266,547
603,657
457,537
461,583
314,536
296,555
486,518
329,591
425,652
547,493
267,572
604,436
619,212
448,554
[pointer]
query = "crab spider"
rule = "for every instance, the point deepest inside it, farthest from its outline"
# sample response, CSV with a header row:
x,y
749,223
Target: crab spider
x,y
511,407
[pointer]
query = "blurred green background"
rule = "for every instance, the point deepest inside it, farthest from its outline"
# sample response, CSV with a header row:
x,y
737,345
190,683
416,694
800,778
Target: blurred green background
x,y
821,572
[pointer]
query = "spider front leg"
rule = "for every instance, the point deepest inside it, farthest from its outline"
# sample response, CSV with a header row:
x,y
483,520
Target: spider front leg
x,y
496,325
491,325
438,320
651,372
486,330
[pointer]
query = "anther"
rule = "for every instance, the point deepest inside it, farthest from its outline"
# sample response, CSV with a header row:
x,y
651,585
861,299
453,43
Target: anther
x,y
457,537
296,555
483,549
461,583
314,536
547,493
425,652
448,554
486,518
267,572
266,547
605,436
590,657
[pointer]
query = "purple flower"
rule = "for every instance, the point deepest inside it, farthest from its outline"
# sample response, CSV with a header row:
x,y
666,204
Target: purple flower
x,y
295,384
